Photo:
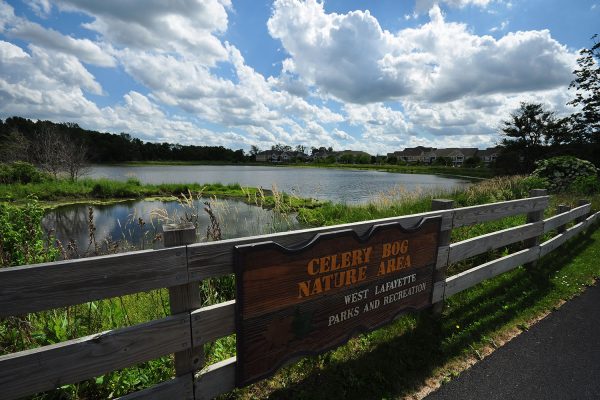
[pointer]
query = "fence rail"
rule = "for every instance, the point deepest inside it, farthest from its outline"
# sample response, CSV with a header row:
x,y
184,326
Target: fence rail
x,y
51,285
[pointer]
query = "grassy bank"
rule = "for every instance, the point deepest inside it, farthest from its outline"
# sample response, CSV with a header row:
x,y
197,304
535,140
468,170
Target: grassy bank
x,y
477,173
398,360
413,355
63,191
481,173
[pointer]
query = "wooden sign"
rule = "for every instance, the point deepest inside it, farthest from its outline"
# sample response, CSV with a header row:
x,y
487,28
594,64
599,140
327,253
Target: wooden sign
x,y
299,301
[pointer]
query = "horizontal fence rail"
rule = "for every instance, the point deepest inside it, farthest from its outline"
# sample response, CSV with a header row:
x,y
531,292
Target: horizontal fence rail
x,y
51,285
47,286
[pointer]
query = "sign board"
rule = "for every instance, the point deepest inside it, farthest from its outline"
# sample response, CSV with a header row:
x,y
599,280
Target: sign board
x,y
306,300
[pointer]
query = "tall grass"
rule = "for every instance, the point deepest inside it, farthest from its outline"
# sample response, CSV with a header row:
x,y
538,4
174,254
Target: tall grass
x,y
341,365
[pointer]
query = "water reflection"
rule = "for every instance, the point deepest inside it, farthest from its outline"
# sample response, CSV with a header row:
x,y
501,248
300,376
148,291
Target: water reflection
x,y
136,224
337,185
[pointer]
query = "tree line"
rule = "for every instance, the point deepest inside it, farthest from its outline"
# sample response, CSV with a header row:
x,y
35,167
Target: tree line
x,y
532,133
41,139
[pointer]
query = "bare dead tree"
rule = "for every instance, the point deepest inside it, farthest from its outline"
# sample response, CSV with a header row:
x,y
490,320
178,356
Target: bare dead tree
x,y
75,160
56,153
48,150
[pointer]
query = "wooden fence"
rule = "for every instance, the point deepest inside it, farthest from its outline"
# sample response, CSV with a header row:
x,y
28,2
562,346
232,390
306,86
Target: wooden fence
x,y
46,286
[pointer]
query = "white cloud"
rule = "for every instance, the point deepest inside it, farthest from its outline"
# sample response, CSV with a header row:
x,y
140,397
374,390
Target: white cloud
x,y
350,57
187,26
49,39
346,82
41,7
503,25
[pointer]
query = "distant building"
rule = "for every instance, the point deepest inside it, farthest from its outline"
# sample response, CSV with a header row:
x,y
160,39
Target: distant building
x,y
414,154
457,155
354,153
489,155
280,156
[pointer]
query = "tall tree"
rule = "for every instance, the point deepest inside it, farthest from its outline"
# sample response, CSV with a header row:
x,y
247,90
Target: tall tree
x,y
254,150
300,148
586,122
526,132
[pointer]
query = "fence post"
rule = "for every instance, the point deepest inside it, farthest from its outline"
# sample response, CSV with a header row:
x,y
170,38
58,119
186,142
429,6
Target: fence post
x,y
562,209
444,240
534,216
184,298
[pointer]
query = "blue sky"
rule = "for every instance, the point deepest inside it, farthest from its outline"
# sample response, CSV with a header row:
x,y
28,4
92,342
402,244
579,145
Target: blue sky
x,y
365,75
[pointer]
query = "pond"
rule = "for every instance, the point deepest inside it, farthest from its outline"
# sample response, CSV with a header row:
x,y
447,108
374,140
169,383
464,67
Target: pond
x,y
138,224
337,185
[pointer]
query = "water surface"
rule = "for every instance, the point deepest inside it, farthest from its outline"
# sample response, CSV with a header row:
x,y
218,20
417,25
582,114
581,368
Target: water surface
x,y
136,224
337,185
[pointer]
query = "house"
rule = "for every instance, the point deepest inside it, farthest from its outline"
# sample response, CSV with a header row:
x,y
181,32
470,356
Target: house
x,y
489,155
269,156
457,155
414,154
279,156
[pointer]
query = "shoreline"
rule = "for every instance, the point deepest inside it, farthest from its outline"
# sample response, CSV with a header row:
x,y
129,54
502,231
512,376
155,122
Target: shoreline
x,y
458,172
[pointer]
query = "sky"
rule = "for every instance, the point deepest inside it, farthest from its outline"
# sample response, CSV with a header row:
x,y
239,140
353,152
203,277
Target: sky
x,y
376,75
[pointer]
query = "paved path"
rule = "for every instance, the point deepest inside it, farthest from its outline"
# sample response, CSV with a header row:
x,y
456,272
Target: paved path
x,y
558,358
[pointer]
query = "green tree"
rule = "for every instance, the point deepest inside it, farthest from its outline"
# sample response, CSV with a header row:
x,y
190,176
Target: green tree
x,y
586,122
526,132
254,150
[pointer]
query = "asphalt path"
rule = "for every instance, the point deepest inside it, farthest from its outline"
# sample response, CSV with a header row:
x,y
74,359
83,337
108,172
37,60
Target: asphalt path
x,y
557,358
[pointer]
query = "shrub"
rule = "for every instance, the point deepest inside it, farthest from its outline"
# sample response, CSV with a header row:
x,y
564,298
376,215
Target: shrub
x,y
560,172
585,185
22,239
20,172
535,182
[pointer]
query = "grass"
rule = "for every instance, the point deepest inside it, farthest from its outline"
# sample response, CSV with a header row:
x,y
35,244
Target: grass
x,y
419,350
54,192
476,173
482,172
395,361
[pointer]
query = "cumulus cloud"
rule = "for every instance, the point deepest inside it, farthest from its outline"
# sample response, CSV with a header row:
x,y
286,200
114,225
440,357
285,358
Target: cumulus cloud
x,y
49,39
345,81
350,56
187,26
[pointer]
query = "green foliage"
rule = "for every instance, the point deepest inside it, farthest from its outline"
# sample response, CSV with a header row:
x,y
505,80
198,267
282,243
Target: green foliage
x,y
526,132
472,162
20,172
586,122
22,240
585,185
535,182
561,172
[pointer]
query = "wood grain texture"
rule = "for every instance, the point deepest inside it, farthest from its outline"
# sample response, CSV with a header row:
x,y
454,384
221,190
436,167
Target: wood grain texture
x,y
48,367
582,202
442,258
294,302
471,247
464,280
50,285
183,299
438,292
213,322
489,212
215,259
557,241
216,379
441,263
174,389
565,217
